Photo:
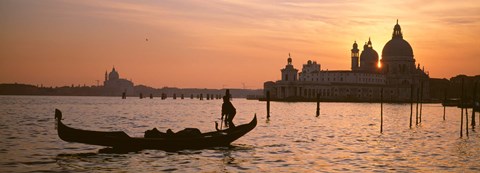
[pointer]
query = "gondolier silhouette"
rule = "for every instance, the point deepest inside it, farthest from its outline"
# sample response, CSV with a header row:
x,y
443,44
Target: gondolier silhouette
x,y
229,111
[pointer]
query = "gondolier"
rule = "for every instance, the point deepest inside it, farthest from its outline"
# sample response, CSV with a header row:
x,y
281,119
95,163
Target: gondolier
x,y
229,111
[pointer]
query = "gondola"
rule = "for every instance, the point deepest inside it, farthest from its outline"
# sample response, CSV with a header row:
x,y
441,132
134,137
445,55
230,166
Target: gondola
x,y
120,140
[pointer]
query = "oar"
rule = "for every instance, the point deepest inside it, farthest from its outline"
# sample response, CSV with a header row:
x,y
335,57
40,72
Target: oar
x,y
221,123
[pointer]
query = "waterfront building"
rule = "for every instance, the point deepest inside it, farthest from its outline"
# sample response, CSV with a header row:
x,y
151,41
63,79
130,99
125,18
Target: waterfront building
x,y
114,85
395,73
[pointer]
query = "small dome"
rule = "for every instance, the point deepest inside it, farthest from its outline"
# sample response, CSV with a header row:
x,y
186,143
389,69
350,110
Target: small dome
x,y
355,45
369,54
397,47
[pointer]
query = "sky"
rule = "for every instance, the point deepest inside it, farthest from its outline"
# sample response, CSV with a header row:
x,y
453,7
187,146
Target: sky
x,y
222,43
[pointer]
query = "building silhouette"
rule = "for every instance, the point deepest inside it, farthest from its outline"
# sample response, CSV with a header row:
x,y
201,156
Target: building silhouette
x,y
395,73
114,85
368,58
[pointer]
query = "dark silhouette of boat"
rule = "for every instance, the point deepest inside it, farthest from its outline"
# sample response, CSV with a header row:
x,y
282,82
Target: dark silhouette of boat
x,y
120,140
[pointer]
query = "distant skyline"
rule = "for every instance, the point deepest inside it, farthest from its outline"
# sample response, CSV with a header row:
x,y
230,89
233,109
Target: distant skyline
x,y
225,43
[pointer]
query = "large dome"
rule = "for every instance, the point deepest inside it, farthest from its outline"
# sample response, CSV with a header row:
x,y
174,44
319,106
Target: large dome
x,y
397,47
113,75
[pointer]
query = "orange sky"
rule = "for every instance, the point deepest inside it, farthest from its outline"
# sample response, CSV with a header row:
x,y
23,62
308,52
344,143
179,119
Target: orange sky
x,y
226,43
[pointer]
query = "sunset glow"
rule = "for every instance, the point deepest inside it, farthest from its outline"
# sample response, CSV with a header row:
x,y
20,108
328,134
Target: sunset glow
x,y
225,43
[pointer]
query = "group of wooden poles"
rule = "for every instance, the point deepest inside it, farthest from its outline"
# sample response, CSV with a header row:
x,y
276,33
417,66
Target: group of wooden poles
x,y
418,110
268,104
182,96
464,105
419,101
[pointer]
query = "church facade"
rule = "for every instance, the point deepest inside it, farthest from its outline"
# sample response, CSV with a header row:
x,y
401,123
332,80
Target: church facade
x,y
395,74
114,85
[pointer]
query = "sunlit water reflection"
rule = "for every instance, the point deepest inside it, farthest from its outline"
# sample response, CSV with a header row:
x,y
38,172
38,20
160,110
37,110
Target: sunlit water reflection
x,y
345,137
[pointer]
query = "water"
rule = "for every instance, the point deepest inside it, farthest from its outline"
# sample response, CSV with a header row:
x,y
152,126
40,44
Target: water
x,y
345,137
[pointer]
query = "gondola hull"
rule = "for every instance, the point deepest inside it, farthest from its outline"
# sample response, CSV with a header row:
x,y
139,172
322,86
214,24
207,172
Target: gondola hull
x,y
120,140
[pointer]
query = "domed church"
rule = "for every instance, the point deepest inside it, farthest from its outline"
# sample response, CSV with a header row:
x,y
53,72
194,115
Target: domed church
x,y
395,74
114,85
398,63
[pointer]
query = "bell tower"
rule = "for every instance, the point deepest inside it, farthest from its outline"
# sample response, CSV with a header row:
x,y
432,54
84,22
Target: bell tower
x,y
106,75
355,56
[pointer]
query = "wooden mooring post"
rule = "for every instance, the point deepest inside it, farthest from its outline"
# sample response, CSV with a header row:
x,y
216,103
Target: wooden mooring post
x,y
466,119
411,104
416,110
124,95
474,101
164,96
151,96
444,102
141,95
381,110
421,101
268,104
318,104
461,107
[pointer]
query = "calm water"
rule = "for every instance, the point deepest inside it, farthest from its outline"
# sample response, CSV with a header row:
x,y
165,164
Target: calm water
x,y
344,138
